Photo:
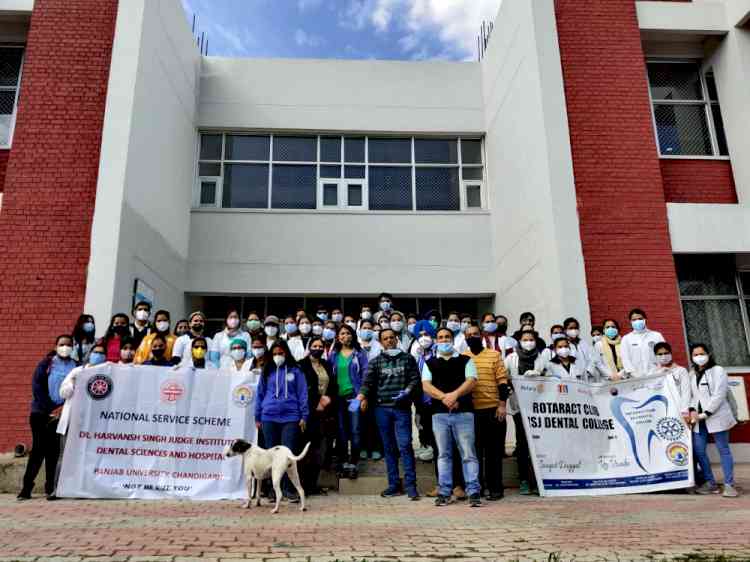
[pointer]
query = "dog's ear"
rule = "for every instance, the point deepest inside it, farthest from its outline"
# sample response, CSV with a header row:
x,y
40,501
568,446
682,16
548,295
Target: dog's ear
x,y
240,446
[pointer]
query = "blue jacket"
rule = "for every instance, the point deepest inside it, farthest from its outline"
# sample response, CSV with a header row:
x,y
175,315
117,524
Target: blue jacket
x,y
41,401
357,367
282,396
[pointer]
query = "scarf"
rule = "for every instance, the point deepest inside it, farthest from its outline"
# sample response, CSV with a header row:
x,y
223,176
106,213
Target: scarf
x,y
526,359
613,360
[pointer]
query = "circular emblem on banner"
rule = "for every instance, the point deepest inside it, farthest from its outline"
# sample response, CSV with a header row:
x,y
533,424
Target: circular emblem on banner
x,y
99,387
669,429
242,395
677,452
171,391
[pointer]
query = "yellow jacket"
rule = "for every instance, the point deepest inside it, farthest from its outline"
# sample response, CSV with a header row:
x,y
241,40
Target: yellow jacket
x,y
143,353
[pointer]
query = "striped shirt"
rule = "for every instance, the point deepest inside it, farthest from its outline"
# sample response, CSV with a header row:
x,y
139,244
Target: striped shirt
x,y
491,373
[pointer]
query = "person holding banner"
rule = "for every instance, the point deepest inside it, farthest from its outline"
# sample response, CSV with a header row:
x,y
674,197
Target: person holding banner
x,y
711,413
161,325
679,380
638,346
182,351
118,329
83,338
607,351
158,351
240,364
579,347
564,365
199,352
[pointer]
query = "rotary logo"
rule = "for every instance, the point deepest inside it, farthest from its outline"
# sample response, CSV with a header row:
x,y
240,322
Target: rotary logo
x,y
99,387
669,429
171,391
242,395
562,388
677,452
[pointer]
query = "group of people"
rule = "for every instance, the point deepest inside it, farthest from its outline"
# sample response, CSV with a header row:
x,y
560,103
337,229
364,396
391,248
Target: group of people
x,y
354,386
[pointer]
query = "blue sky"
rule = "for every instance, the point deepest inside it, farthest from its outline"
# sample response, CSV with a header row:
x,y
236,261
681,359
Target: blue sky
x,y
353,29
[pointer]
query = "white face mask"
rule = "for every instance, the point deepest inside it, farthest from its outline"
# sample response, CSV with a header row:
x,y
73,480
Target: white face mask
x,y
64,351
259,352
237,354
397,326
453,325
279,360
271,331
562,352
141,315
465,326
664,359
528,345
596,339
425,342
700,360
162,326
233,323
366,315
305,329
572,333
352,325
317,329
337,318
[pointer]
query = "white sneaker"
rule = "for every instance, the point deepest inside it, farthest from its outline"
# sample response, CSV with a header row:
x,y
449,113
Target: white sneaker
x,y
730,491
427,455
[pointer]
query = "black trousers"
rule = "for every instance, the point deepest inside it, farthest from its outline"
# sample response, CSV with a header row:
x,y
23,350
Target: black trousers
x,y
311,464
525,468
45,448
489,435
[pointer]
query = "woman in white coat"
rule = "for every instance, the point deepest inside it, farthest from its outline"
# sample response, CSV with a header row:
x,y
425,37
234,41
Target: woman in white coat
x,y
678,380
711,413
219,350
564,365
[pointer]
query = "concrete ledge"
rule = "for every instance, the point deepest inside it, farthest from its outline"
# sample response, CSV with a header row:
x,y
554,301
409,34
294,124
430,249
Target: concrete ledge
x,y
699,18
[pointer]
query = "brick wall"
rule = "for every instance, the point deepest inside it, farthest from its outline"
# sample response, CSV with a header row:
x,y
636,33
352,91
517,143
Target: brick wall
x,y
4,155
698,181
620,196
50,186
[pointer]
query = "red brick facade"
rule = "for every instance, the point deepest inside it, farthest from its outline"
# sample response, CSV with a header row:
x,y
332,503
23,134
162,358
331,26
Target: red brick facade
x,y
698,181
621,203
4,155
49,192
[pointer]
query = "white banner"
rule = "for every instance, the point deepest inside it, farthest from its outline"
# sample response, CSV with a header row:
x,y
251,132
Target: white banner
x,y
155,432
605,438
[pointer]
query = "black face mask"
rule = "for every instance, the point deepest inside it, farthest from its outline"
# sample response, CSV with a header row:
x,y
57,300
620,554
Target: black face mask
x,y
317,353
475,344
121,330
502,328
198,328
158,353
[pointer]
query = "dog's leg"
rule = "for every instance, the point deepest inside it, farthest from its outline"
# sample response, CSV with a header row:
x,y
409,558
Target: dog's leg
x,y
249,484
276,476
294,477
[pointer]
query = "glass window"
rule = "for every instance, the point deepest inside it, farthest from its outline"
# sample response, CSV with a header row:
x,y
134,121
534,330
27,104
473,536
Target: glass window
x,y
11,60
435,151
354,149
245,147
474,196
245,186
211,147
208,193
390,188
294,187
354,195
295,149
330,194
706,275
330,149
209,169
471,151
474,173
682,129
437,189
330,171
354,172
389,151
675,81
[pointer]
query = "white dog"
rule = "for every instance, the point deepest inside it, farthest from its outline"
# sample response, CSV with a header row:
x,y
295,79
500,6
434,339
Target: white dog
x,y
258,463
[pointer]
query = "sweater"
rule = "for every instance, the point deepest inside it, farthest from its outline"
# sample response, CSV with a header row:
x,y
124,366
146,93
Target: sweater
x,y
491,375
387,376
447,375
281,396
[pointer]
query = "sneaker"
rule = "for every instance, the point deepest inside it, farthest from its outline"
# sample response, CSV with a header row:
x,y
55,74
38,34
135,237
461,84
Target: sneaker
x,y
413,495
363,455
427,455
433,493
52,497
376,456
23,496
495,496
459,494
442,500
390,493
353,473
292,498
707,488
524,488
475,500
730,491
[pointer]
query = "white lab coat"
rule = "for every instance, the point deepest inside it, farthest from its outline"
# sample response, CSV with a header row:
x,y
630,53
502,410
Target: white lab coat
x,y
67,388
373,349
637,349
459,343
511,363
711,396
245,369
577,370
182,349
221,345
503,345
297,347
678,381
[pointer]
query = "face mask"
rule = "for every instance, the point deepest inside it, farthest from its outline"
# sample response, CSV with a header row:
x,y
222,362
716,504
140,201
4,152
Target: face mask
x,y
445,348
638,325
198,328
121,330
410,328
199,352
526,327
489,327
253,325
610,332
317,330
352,325
162,326
385,306
64,351
237,354
366,334
563,352
502,328
384,324
279,360
158,353
141,315
233,323
475,344
181,332
259,352
291,328
453,326
328,334
271,331
465,326
700,360
573,333
596,339
126,355
434,324
392,352
397,326
337,318
366,315
528,345
664,359
317,353
425,342
97,358
88,327
305,329
322,316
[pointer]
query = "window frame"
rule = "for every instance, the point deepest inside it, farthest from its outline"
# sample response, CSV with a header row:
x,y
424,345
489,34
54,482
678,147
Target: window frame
x,y
706,103
17,90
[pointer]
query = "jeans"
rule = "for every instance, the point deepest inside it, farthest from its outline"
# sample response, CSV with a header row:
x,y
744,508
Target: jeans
x,y
45,447
523,457
348,432
700,445
490,443
286,434
395,430
459,429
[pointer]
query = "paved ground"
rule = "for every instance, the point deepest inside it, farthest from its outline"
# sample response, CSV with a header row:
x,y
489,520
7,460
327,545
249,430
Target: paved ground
x,y
642,527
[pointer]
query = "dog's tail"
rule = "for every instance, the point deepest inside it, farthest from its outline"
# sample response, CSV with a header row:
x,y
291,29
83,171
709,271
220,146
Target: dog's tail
x,y
302,454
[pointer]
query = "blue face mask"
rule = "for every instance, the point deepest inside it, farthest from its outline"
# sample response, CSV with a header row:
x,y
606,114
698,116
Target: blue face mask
x,y
291,328
88,327
638,325
97,358
610,332
366,334
489,327
322,316
392,352
410,328
445,348
328,334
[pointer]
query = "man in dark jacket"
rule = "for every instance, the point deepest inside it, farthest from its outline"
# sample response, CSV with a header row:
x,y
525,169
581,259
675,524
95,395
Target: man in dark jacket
x,y
391,381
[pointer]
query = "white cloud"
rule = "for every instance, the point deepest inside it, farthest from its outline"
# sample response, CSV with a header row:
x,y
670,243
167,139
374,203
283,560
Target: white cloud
x,y
382,13
238,41
304,39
